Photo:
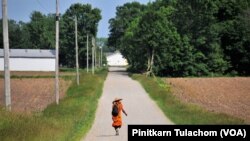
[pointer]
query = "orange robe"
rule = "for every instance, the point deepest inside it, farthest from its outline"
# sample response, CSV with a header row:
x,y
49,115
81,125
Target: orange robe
x,y
117,121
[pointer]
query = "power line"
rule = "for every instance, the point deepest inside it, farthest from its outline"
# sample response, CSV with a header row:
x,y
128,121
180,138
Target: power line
x,y
42,6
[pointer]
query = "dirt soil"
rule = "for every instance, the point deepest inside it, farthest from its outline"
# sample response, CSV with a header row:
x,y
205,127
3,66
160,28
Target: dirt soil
x,y
39,73
224,95
32,94
29,73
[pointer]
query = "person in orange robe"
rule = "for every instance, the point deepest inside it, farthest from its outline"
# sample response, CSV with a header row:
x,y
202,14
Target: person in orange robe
x,y
117,120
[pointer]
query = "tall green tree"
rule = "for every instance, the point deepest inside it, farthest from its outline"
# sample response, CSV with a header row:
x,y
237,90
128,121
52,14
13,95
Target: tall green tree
x,y
88,19
234,36
25,39
158,42
182,38
41,31
132,49
195,19
36,34
124,16
122,28
15,34
157,35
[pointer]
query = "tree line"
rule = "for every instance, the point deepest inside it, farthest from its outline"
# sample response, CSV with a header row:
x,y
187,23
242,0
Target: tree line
x,y
184,38
39,32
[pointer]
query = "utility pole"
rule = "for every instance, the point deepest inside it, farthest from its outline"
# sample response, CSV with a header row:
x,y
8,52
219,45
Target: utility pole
x,y
77,65
101,55
6,56
57,53
93,55
87,52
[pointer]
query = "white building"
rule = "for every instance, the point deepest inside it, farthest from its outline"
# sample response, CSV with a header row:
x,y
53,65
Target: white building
x,y
116,59
29,60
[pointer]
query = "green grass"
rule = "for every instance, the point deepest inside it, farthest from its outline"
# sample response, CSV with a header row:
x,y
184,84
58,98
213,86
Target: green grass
x,y
68,121
177,111
72,70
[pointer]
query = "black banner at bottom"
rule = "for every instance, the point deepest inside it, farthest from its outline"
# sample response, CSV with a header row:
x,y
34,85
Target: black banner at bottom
x,y
192,132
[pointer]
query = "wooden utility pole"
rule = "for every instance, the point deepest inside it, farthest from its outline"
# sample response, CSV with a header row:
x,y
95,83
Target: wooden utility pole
x,y
77,65
87,52
93,55
101,55
6,56
57,53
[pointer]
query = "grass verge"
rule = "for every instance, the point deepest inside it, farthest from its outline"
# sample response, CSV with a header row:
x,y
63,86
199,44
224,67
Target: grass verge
x,y
177,111
68,121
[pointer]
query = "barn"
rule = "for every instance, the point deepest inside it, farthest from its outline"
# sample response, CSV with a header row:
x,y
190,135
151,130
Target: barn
x,y
30,60
116,59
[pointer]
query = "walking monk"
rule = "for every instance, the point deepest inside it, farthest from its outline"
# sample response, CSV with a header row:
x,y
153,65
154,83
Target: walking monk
x,y
117,119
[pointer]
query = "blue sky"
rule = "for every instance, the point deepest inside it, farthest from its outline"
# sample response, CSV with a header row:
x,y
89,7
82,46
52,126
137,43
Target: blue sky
x,y
21,9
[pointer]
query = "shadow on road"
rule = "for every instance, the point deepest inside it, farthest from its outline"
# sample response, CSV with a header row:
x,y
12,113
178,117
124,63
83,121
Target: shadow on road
x,y
117,69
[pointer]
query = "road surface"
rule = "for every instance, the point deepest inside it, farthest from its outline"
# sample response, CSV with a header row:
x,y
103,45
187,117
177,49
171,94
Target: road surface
x,y
140,107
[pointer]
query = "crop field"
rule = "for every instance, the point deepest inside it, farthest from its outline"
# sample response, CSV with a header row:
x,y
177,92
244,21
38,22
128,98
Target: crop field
x,y
224,95
31,92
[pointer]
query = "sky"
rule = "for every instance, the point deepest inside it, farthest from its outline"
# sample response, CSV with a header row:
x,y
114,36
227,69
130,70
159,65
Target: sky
x,y
20,10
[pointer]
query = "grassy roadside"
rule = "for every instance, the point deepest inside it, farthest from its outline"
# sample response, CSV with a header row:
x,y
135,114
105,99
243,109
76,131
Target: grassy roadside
x,y
177,111
68,121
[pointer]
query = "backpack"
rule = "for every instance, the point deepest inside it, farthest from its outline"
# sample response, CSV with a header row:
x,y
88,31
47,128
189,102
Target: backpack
x,y
115,110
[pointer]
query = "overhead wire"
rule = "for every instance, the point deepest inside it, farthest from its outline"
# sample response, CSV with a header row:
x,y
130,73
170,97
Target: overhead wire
x,y
41,5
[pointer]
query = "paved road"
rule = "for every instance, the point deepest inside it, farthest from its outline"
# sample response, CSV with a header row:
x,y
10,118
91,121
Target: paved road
x,y
139,106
